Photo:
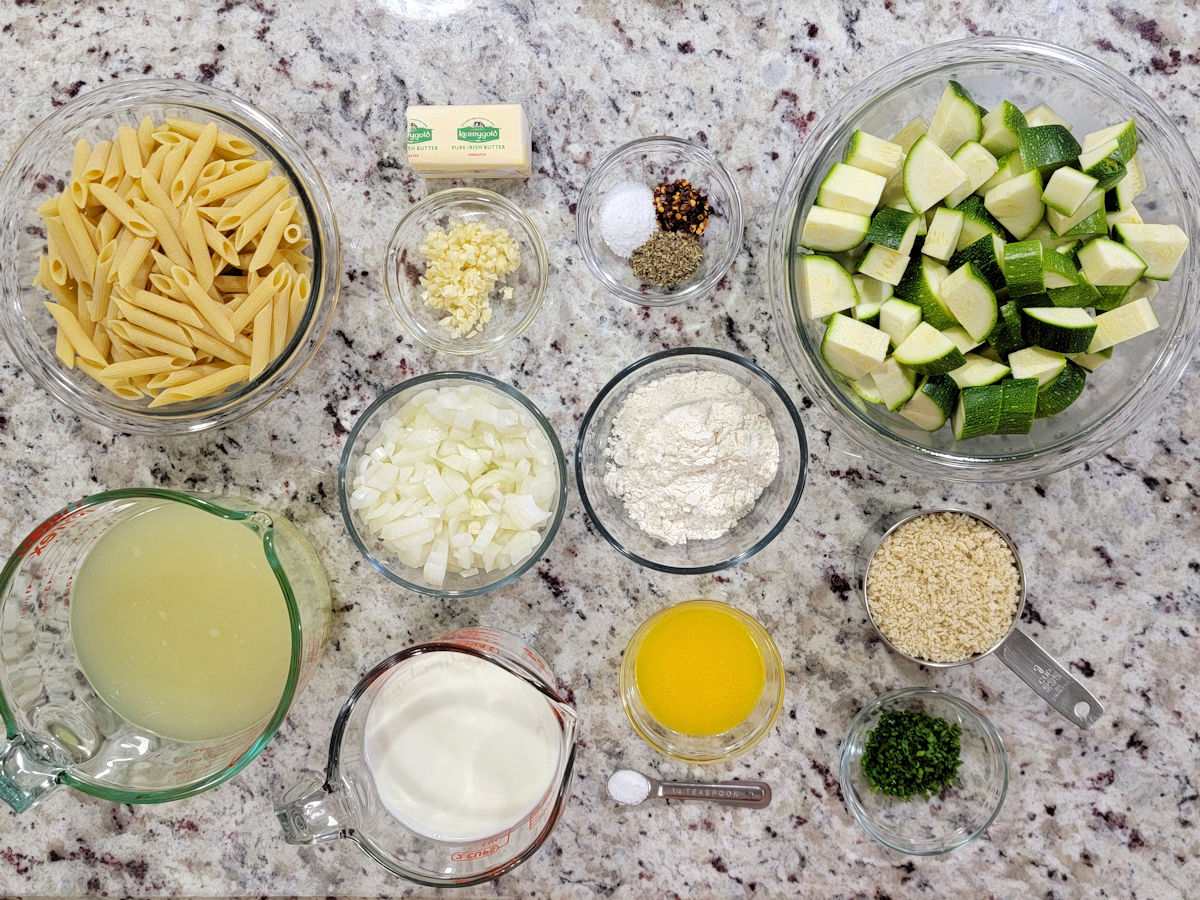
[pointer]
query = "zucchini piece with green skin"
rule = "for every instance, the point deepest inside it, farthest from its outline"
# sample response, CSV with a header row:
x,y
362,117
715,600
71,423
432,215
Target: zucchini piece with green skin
x,y
1067,190
932,402
977,222
920,284
1018,405
956,119
1055,328
871,296
907,136
977,412
1051,241
1079,296
825,286
833,231
1009,167
1104,163
1046,147
1001,128
1042,366
1091,361
851,190
866,388
1161,247
978,370
1132,184
1095,224
895,383
1062,391
929,174
1006,337
1144,288
1058,270
884,264
1124,133
973,303
1044,115
979,165
852,348
866,151
893,228
942,237
987,254
1062,225
1110,296
1023,268
898,318
960,339
1127,216
1122,324
1105,262
928,351
1017,203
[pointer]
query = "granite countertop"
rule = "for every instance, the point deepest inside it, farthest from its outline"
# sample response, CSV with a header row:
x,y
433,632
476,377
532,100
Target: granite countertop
x,y
1111,547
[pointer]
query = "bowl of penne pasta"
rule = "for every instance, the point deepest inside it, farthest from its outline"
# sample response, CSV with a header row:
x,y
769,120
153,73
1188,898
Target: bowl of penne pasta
x,y
172,257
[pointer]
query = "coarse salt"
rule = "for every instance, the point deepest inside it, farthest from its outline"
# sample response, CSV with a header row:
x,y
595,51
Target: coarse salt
x,y
627,217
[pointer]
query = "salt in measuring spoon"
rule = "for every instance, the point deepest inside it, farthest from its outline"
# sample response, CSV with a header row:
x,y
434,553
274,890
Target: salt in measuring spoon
x,y
631,788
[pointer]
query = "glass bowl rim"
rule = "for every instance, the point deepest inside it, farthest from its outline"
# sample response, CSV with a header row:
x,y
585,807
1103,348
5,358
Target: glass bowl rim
x,y
679,352
450,198
1171,360
889,700
488,381
588,196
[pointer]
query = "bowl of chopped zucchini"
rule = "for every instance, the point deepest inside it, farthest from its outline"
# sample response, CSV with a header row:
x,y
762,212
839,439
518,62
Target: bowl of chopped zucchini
x,y
981,260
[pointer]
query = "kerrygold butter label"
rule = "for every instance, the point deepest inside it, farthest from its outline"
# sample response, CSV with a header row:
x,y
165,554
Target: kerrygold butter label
x,y
489,141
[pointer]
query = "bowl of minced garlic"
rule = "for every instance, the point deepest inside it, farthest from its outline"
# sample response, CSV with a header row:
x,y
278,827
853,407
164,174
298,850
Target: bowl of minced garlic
x,y
466,271
944,587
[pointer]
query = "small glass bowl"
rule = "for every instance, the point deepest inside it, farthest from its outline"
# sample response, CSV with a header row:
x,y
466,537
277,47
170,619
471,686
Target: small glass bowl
x,y
651,161
404,265
753,531
691,748
1120,395
376,552
962,812
36,172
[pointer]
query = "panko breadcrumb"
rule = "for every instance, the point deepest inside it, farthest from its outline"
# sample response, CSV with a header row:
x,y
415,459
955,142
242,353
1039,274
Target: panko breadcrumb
x,y
943,587
463,264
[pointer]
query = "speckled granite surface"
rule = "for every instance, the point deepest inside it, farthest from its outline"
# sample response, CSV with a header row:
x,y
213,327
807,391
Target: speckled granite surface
x,y
1112,547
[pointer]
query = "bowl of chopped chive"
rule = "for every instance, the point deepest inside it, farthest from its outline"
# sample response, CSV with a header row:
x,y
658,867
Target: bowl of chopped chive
x,y
922,771
659,221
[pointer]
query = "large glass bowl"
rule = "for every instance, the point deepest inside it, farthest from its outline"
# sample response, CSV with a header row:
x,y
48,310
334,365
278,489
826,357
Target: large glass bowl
x,y
385,559
770,514
1120,394
37,172
956,816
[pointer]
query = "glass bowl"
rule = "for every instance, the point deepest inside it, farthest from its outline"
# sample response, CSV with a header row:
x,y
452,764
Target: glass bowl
x,y
961,812
1124,391
37,172
693,748
650,161
755,530
384,559
404,265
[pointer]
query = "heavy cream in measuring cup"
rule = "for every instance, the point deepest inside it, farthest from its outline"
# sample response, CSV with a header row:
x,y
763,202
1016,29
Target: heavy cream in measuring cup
x,y
460,749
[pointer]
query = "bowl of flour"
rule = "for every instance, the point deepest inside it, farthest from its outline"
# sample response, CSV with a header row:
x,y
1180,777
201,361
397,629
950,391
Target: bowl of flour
x,y
691,460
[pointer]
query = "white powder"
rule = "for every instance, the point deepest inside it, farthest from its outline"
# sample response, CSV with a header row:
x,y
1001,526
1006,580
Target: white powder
x,y
689,454
628,787
627,217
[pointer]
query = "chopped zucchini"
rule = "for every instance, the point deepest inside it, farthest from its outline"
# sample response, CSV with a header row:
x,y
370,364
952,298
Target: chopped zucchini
x,y
1040,365
967,295
978,370
1046,147
920,284
894,228
1018,405
928,351
1105,262
1067,190
851,190
898,318
833,231
956,119
929,174
1055,328
1023,268
932,402
1122,324
1062,391
852,348
895,383
1160,247
1017,203
942,237
825,287
987,254
1001,128
1009,167
865,151
978,164
978,411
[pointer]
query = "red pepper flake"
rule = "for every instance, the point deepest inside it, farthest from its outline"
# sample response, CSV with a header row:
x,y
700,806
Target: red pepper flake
x,y
680,207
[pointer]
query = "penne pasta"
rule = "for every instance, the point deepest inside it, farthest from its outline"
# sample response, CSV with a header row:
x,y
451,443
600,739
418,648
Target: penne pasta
x,y
195,160
213,313
68,323
268,242
97,161
196,245
259,197
227,144
260,341
124,212
131,151
203,387
134,368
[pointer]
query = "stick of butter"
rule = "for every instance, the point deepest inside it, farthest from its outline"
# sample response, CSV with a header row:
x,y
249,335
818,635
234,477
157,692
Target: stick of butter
x,y
489,141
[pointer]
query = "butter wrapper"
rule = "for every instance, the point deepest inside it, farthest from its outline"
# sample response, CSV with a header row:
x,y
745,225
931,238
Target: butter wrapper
x,y
486,141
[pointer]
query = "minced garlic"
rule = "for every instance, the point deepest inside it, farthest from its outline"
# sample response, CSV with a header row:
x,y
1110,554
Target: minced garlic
x,y
462,266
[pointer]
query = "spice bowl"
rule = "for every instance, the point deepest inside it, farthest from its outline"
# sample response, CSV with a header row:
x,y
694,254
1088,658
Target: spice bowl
x,y
513,301
949,819
653,161
767,517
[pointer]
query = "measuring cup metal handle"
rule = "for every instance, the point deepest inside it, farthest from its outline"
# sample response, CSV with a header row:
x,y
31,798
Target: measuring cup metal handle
x,y
753,794
310,812
28,772
1050,679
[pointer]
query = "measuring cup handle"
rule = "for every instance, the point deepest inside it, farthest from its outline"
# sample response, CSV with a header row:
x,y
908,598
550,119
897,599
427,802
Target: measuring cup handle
x,y
28,772
1044,674
311,812
753,794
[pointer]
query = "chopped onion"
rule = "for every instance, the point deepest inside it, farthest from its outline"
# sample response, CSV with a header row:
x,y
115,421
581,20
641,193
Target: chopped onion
x,y
459,480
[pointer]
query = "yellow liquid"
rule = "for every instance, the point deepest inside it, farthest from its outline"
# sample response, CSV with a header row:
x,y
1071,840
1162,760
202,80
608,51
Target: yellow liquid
x,y
180,625
699,670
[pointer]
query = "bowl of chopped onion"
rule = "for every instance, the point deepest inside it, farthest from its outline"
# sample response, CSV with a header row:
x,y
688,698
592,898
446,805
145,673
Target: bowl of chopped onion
x,y
452,484
466,271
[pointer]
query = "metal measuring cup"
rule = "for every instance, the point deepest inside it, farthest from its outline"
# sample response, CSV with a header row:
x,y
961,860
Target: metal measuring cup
x,y
1016,649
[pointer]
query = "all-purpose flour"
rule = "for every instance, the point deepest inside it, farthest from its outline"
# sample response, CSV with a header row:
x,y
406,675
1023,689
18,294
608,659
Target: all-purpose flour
x,y
689,454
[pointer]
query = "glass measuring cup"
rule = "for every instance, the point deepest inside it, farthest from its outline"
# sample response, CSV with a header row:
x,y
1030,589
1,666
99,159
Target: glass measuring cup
x,y
344,802
58,729
1017,650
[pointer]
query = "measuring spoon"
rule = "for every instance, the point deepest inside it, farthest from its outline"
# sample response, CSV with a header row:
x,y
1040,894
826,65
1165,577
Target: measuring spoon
x,y
631,788
1017,650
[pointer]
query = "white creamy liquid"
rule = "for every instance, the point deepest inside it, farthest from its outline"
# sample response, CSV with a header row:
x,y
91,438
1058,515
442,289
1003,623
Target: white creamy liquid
x,y
460,749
